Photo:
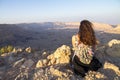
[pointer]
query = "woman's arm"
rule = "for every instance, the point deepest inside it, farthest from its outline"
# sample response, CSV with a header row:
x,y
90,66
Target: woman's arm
x,y
73,41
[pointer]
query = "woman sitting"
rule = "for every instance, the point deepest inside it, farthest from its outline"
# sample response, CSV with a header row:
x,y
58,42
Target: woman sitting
x,y
84,44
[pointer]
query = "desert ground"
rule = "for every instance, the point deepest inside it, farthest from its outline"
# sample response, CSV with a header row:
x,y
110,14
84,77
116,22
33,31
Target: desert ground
x,y
44,39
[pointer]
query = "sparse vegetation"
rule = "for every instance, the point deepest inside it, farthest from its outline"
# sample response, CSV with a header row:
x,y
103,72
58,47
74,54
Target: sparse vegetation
x,y
6,49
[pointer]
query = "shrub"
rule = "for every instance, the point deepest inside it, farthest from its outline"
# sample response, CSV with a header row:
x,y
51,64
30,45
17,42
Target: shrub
x,y
6,49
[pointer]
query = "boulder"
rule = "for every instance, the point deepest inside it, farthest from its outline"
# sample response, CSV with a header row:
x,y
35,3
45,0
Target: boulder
x,y
19,62
28,63
113,67
56,72
39,64
60,56
28,49
44,54
113,48
42,63
17,49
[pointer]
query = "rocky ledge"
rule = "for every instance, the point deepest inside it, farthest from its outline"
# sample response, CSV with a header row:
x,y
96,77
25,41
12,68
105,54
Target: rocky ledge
x,y
40,65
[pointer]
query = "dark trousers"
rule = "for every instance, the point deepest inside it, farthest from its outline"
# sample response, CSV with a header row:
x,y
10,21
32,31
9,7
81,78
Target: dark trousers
x,y
81,69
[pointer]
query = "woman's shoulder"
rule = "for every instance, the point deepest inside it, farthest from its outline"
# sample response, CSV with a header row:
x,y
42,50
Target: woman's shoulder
x,y
73,36
76,38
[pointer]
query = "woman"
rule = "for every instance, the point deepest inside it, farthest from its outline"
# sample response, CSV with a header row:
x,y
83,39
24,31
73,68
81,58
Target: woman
x,y
84,44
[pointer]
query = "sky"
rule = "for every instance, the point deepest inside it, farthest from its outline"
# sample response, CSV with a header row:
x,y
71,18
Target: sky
x,y
28,11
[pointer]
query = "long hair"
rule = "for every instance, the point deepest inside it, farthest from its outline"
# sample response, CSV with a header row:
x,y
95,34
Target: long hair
x,y
86,33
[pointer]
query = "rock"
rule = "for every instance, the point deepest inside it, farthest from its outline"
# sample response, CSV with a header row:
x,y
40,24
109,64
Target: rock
x,y
42,63
19,50
7,54
54,67
49,63
16,50
50,56
61,51
92,75
19,62
108,65
44,55
113,42
55,72
113,48
39,64
40,74
28,49
45,62
52,61
61,55
28,63
4,54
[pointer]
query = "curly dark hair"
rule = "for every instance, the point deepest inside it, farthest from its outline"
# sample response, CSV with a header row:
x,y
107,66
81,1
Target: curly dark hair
x,y
86,33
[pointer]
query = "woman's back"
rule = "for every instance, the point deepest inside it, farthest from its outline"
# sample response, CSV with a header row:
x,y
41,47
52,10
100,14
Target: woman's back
x,y
84,52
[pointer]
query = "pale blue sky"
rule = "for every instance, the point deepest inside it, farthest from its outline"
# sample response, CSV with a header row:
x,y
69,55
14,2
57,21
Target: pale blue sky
x,y
20,11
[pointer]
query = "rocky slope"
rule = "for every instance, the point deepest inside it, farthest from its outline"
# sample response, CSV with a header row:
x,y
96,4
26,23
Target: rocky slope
x,y
43,35
25,64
